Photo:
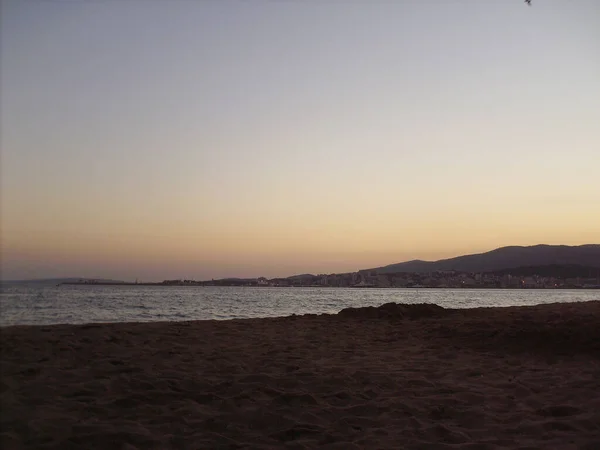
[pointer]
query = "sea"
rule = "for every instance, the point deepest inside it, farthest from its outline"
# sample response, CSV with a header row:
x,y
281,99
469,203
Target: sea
x,y
70,304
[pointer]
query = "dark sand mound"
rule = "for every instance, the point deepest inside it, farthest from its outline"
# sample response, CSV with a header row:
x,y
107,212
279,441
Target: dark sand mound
x,y
555,329
495,378
396,311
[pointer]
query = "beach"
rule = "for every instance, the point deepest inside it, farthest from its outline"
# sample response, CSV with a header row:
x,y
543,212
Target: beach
x,y
397,376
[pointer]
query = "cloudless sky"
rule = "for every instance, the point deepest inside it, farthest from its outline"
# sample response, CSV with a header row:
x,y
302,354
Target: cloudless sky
x,y
198,139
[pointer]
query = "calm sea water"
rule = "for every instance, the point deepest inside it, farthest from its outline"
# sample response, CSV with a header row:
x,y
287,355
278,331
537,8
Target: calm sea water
x,y
43,305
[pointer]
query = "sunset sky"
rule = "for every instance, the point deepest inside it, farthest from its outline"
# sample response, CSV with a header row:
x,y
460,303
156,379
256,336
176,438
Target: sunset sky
x,y
206,139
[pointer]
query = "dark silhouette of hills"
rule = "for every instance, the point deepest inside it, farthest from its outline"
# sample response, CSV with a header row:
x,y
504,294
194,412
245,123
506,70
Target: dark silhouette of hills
x,y
506,258
553,270
303,275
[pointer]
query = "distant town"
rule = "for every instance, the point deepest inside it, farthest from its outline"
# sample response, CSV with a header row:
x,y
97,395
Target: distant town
x,y
541,277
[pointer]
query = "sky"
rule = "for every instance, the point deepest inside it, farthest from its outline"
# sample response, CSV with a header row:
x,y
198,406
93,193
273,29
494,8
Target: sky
x,y
157,139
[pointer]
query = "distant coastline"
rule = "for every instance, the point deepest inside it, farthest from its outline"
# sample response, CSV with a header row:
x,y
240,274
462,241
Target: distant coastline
x,y
254,285
515,267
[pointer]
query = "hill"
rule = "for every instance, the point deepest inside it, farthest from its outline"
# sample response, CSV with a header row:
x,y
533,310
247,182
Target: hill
x,y
552,270
505,258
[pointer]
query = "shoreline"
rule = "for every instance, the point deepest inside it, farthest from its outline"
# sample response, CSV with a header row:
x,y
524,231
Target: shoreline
x,y
362,312
395,376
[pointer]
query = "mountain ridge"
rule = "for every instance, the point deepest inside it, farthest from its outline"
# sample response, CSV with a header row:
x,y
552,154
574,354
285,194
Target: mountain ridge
x,y
503,258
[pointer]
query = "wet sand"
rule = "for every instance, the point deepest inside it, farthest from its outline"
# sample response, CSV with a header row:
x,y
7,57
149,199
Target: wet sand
x,y
392,377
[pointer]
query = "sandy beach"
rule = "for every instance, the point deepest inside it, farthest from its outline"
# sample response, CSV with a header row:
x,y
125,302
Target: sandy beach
x,y
398,376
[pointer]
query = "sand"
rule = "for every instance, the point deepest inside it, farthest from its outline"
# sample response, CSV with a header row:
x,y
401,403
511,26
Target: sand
x,y
390,377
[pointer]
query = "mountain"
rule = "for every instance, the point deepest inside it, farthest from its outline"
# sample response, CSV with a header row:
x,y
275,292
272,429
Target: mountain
x,y
505,258
552,270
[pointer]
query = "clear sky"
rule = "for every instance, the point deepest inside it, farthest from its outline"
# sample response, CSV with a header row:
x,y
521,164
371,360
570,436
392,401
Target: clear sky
x,y
195,139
